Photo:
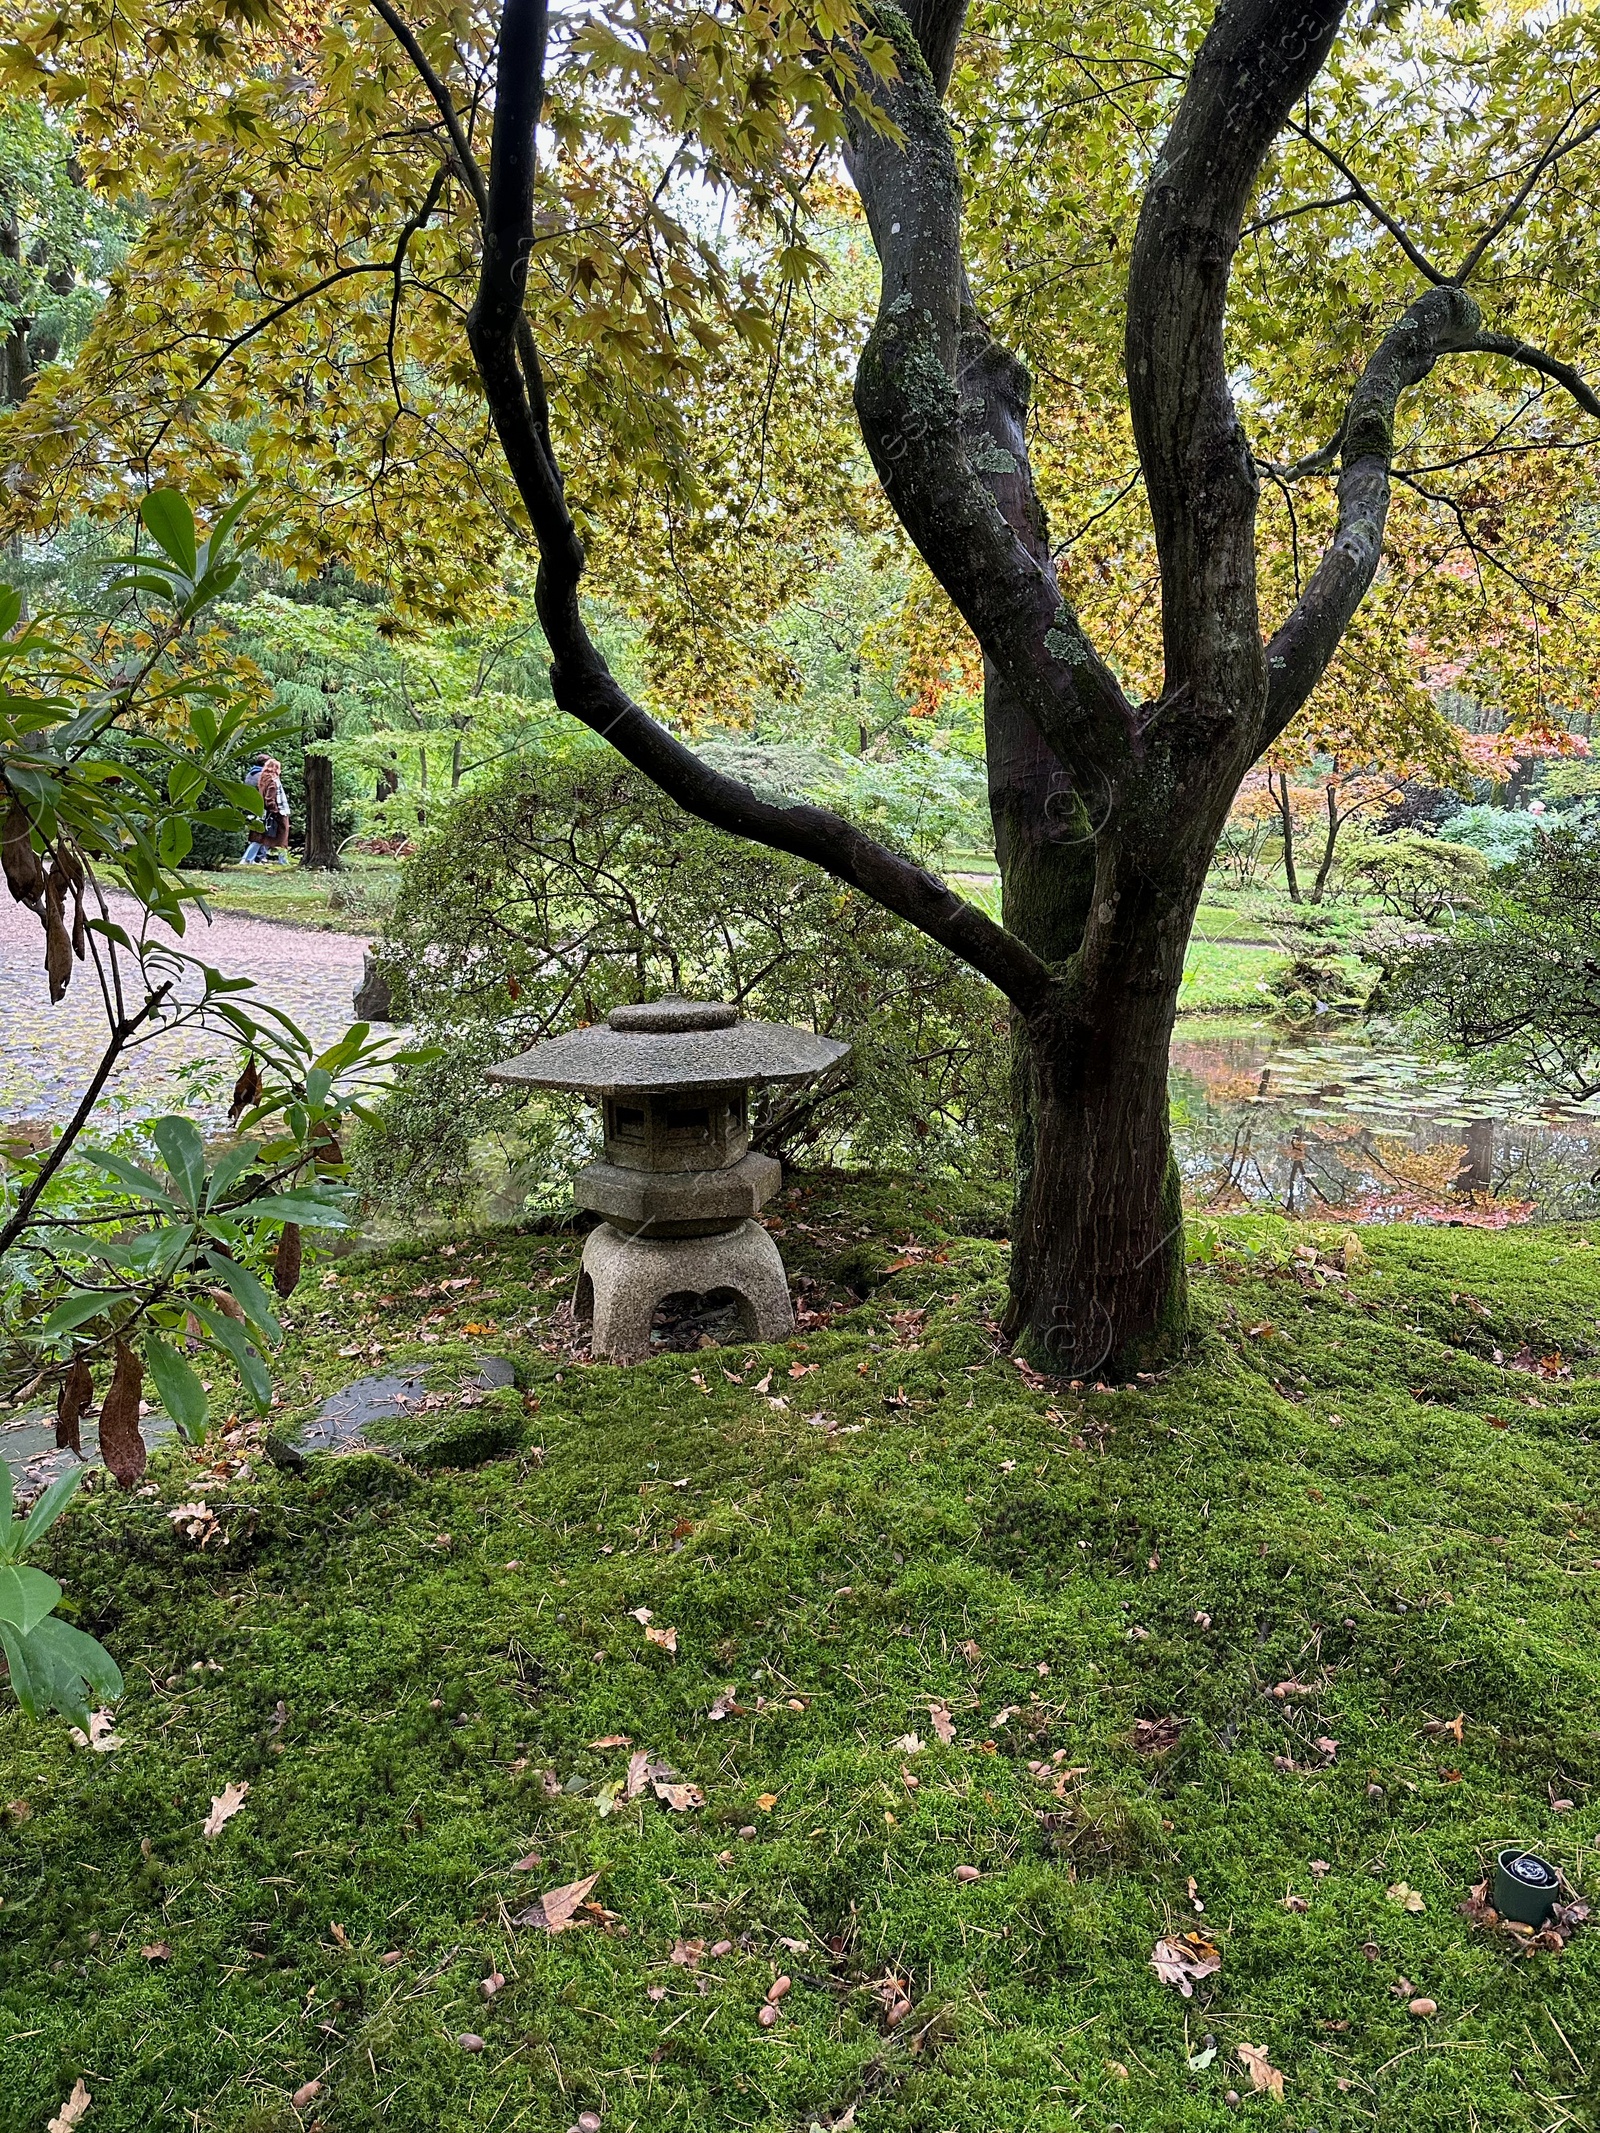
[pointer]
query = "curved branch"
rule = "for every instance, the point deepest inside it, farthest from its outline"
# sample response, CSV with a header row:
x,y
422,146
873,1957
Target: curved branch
x,y
580,680
444,102
1413,251
1548,366
1440,320
1552,155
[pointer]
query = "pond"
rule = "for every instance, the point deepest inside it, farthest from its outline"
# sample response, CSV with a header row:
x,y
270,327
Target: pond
x,y
1321,1118
1331,1118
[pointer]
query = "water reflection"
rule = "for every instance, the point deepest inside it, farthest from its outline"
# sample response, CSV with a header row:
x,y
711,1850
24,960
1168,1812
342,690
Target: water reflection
x,y
1311,1122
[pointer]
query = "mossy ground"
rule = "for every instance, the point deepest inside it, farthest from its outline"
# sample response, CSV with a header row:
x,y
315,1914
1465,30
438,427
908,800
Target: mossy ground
x,y
909,1521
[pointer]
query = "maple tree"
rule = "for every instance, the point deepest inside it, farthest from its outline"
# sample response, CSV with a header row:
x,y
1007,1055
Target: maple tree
x,y
340,286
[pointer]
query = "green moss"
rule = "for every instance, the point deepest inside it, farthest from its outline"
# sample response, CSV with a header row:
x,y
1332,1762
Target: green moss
x,y
916,1524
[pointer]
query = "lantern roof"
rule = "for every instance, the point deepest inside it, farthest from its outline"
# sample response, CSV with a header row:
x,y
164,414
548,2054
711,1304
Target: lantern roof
x,y
658,1046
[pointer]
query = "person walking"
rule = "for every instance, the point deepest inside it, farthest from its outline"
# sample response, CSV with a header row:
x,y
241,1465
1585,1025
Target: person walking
x,y
273,837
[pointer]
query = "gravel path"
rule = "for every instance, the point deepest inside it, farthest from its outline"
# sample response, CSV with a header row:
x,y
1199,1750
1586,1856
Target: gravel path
x,y
48,1053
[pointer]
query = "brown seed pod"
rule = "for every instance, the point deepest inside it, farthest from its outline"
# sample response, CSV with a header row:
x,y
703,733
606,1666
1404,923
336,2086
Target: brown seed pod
x,y
72,1404
57,940
121,1446
286,1260
246,1091
24,870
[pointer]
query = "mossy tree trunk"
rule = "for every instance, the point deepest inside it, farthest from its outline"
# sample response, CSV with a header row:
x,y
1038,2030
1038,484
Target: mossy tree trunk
x,y
1106,811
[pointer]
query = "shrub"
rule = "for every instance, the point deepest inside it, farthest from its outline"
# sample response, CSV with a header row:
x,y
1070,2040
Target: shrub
x,y
570,884
1416,877
1513,986
1502,834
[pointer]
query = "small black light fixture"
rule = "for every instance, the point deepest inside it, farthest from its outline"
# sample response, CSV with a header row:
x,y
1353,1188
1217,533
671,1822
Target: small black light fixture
x,y
1525,1886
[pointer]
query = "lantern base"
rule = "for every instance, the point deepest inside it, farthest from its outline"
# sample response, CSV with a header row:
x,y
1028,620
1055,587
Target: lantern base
x,y
625,1278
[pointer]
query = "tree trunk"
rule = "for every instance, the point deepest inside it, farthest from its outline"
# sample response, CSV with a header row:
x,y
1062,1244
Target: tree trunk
x,y
1280,792
1330,844
321,849
1098,1286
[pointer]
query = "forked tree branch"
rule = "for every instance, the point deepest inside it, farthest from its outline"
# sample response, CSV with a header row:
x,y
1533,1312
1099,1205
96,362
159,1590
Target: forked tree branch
x,y
941,404
1443,321
1257,59
581,682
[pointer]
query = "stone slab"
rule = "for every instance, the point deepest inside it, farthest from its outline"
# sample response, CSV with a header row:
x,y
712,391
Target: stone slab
x,y
658,1200
611,1062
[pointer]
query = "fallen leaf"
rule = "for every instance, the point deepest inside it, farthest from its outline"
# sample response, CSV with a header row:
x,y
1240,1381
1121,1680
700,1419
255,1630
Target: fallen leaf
x,y
224,1806
156,1951
527,1865
766,1801
1264,2076
71,2112
666,1638
641,1614
677,1796
553,1912
908,1744
727,1705
612,1740
1199,2061
1184,1959
638,1774
1408,1898
99,1736
1152,1735
943,1724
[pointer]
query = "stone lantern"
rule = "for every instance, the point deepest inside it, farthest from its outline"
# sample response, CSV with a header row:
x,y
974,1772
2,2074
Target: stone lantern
x,y
679,1184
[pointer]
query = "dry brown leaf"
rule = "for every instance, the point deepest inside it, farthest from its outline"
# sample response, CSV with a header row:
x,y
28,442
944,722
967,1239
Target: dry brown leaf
x,y
288,1259
246,1091
72,1404
666,1638
1264,2076
943,1724
612,1740
554,1911
529,1864
156,1951
121,1446
638,1774
1184,1959
224,1806
72,2111
641,1614
678,1797
766,1801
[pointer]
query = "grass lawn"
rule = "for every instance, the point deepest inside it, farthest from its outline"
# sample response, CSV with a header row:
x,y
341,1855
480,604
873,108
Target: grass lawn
x,y
352,900
1341,1527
